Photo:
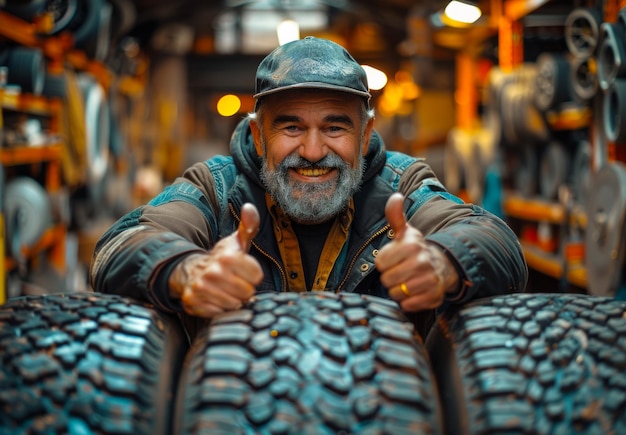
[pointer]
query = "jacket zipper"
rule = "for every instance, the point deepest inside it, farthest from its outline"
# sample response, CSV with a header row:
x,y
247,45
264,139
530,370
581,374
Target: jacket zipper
x,y
361,249
283,274
273,260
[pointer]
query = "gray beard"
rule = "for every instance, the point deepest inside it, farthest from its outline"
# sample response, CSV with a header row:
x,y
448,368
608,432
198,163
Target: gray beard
x,y
312,202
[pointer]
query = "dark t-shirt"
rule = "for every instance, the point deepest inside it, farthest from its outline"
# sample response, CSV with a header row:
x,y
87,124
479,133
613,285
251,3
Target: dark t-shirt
x,y
311,239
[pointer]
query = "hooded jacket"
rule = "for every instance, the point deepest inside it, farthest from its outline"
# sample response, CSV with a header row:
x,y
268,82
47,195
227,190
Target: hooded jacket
x,y
136,255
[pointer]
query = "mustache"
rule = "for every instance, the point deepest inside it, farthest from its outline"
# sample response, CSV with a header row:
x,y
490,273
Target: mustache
x,y
295,161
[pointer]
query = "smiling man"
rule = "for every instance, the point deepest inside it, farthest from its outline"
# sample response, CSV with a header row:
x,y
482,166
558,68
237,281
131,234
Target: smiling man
x,y
309,200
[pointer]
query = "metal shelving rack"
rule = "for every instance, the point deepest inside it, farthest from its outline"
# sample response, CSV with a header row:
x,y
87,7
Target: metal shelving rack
x,y
505,23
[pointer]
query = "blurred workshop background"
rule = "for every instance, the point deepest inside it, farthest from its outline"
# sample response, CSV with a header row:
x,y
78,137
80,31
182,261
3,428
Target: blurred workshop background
x,y
519,105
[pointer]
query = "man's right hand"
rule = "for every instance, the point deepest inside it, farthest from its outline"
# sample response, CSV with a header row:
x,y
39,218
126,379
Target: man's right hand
x,y
224,278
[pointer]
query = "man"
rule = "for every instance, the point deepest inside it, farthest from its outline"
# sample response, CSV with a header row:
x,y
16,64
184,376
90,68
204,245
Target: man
x,y
309,200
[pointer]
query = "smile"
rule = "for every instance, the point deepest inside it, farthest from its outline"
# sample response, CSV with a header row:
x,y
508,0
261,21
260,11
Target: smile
x,y
312,172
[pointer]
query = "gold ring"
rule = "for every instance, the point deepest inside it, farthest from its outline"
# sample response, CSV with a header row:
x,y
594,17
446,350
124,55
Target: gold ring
x,y
404,289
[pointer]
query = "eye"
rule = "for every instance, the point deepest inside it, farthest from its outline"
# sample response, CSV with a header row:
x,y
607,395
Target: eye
x,y
291,128
335,129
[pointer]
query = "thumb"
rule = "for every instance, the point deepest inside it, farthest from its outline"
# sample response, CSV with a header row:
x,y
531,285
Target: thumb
x,y
394,212
248,226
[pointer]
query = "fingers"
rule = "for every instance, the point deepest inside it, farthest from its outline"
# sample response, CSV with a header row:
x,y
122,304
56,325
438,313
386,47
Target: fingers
x,y
429,300
205,298
420,293
423,281
248,226
394,212
213,289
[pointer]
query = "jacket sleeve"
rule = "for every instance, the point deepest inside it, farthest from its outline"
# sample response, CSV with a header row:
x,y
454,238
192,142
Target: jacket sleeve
x,y
483,248
136,254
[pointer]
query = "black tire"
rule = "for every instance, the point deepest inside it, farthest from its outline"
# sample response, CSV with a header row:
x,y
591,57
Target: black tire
x,y
532,364
584,78
87,363
526,171
554,170
614,111
315,363
27,69
581,171
552,82
63,12
91,27
55,86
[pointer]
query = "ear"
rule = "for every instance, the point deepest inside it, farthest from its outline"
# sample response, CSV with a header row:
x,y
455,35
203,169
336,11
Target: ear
x,y
256,136
367,135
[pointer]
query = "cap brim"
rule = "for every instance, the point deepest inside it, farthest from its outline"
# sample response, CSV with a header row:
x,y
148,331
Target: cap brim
x,y
314,85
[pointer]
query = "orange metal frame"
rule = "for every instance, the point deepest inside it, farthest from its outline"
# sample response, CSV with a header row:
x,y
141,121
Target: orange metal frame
x,y
55,49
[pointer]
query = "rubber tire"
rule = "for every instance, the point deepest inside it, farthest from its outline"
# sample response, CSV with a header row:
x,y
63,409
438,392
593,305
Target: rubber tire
x,y
532,363
98,123
526,171
552,82
55,86
93,32
63,13
87,363
582,171
584,78
27,69
614,111
313,363
554,170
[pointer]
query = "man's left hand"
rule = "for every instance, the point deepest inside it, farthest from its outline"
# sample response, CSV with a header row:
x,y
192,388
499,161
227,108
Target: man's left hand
x,y
417,273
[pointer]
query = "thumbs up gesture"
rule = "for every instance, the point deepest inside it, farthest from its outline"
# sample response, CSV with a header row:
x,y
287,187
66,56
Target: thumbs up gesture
x,y
248,226
225,277
417,273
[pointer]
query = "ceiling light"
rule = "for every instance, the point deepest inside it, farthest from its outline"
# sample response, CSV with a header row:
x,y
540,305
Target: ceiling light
x,y
462,11
287,31
228,105
376,79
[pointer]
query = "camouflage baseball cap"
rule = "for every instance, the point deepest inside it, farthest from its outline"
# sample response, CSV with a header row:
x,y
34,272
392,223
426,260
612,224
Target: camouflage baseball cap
x,y
310,63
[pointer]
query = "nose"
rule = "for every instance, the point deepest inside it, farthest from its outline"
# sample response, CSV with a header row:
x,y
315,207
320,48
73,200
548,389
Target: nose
x,y
313,147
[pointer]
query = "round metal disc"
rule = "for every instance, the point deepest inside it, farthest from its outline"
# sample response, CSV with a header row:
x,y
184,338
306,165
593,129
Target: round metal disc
x,y
604,237
27,211
584,78
553,170
582,31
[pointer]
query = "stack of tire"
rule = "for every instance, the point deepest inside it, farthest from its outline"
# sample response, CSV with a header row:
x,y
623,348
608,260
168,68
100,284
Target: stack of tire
x,y
318,363
522,128
601,177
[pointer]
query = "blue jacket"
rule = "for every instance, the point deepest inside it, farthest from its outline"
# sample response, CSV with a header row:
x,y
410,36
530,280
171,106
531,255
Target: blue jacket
x,y
135,256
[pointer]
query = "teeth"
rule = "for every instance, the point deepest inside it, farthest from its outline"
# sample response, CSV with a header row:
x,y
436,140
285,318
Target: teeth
x,y
312,172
